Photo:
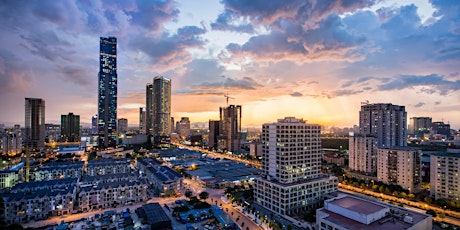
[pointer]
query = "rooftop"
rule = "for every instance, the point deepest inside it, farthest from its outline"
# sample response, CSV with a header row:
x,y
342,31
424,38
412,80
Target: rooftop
x,y
358,205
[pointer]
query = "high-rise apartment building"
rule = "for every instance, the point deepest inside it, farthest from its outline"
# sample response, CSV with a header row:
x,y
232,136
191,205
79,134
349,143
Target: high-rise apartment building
x,y
363,153
70,127
149,108
291,164
158,106
107,98
230,128
214,130
34,133
94,121
401,166
52,133
419,125
122,125
142,120
183,128
444,179
387,122
441,128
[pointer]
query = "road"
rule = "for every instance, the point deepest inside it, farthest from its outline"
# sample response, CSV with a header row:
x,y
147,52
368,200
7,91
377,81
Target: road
x,y
416,206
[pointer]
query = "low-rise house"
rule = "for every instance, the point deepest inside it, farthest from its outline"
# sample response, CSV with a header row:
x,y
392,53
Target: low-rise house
x,y
107,166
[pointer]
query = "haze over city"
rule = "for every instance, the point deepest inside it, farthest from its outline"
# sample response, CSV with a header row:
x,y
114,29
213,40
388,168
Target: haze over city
x,y
316,60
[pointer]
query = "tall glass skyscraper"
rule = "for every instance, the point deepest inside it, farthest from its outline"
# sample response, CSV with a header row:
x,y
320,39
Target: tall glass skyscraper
x,y
34,135
161,106
70,127
107,98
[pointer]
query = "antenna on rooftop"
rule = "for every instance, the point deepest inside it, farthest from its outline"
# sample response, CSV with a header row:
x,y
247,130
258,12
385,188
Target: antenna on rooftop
x,y
228,97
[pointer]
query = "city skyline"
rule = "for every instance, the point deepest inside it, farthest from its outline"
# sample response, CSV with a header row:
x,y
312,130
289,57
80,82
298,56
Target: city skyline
x,y
316,61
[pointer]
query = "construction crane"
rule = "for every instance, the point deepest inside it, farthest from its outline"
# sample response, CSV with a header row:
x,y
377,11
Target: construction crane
x,y
228,97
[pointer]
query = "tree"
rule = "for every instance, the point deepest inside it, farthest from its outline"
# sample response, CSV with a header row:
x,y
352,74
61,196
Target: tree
x,y
431,212
203,195
442,215
191,218
403,194
188,194
381,188
428,200
411,196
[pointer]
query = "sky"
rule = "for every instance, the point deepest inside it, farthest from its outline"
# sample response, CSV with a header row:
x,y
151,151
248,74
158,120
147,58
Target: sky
x,y
311,59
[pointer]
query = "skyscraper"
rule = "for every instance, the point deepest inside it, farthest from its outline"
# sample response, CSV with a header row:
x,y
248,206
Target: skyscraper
x,y
230,128
34,135
291,164
419,125
387,122
70,127
149,108
183,128
94,124
142,120
214,130
107,99
161,106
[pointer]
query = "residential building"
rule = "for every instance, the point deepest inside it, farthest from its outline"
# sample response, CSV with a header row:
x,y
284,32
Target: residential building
x,y
387,122
149,108
107,97
122,125
291,164
214,130
11,142
444,179
111,195
58,184
334,158
52,133
159,106
363,153
183,128
441,128
350,212
59,170
94,124
142,120
70,128
11,176
255,149
400,166
107,166
154,215
34,133
419,126
229,138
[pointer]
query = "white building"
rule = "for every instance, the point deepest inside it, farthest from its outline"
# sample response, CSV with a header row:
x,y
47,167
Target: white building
x,y
444,179
107,166
10,177
59,170
363,153
401,166
349,212
291,165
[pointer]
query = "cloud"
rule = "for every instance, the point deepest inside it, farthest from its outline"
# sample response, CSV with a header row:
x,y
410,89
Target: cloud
x,y
296,94
436,82
244,83
15,78
345,92
420,104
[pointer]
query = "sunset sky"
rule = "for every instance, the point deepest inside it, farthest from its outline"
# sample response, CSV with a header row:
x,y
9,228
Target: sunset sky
x,y
316,60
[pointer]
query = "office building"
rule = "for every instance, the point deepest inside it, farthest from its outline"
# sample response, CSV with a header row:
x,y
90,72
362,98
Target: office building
x,y
387,122
419,126
351,212
107,98
230,128
183,128
214,130
70,128
149,107
142,120
363,153
122,125
34,132
11,142
158,99
255,149
444,179
400,166
291,164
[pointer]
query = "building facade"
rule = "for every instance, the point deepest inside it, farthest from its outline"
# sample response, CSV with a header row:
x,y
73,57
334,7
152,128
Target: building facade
x,y
291,164
230,128
419,125
444,179
107,97
214,130
122,125
363,153
400,166
107,166
70,128
183,128
161,106
142,120
387,122
441,128
34,132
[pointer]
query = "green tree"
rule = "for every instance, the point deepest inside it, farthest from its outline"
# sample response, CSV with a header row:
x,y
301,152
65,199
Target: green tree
x,y
403,194
289,227
428,200
203,195
188,194
442,215
381,188
431,212
411,196
375,187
